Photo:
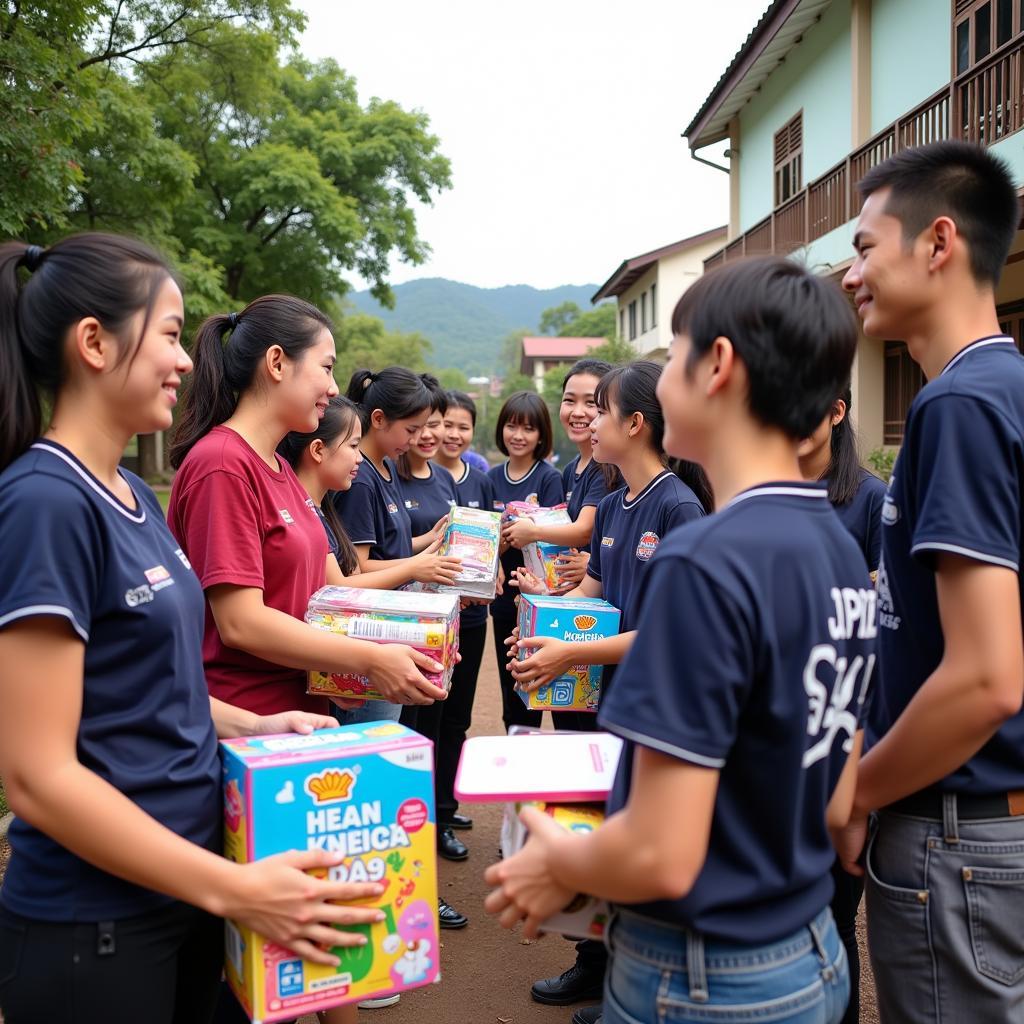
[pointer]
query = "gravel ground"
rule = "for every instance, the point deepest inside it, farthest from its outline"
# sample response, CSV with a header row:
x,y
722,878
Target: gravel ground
x,y
488,971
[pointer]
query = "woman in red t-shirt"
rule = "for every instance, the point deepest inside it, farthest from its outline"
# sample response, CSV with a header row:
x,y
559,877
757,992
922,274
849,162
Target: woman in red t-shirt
x,y
241,515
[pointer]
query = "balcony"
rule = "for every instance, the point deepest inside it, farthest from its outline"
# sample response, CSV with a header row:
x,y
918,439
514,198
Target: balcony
x,y
983,105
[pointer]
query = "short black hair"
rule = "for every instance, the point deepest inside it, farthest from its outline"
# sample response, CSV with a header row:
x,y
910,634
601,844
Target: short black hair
x,y
529,408
460,400
794,331
959,180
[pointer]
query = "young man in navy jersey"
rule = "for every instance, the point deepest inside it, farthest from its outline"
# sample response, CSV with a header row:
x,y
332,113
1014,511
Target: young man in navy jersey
x,y
945,863
739,701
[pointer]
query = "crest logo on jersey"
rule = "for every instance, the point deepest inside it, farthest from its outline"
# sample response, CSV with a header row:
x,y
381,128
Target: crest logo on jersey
x,y
138,595
157,573
392,508
286,516
472,504
532,499
411,503
499,506
607,542
647,545
887,616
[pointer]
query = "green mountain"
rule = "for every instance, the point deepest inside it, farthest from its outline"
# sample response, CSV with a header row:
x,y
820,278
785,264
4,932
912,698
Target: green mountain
x,y
466,324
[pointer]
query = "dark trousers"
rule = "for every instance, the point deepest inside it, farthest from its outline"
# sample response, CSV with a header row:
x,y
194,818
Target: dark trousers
x,y
574,721
845,902
513,710
163,967
446,722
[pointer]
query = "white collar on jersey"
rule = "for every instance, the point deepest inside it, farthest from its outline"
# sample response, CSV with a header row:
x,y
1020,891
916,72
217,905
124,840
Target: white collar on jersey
x,y
138,516
777,489
525,476
999,339
632,503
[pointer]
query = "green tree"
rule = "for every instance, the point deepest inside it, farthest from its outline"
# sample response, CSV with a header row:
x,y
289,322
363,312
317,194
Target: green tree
x,y
510,354
555,319
614,350
592,323
362,341
452,379
59,59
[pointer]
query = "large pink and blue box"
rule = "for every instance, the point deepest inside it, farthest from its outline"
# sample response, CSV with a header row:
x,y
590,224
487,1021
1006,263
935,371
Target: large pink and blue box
x,y
366,791
568,619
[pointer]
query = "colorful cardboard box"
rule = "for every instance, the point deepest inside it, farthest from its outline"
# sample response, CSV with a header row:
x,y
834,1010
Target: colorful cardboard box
x,y
427,622
570,619
365,790
474,535
540,557
586,916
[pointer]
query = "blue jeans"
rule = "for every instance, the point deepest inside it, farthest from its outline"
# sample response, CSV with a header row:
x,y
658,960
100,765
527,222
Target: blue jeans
x,y
371,711
945,906
660,973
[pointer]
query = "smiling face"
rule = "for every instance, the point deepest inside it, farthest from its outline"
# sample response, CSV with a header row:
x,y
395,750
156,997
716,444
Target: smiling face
x,y
578,408
889,279
427,442
456,432
308,384
142,387
341,458
521,439
609,434
395,437
681,404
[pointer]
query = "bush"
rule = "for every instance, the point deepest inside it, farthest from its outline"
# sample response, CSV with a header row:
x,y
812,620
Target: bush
x,y
882,460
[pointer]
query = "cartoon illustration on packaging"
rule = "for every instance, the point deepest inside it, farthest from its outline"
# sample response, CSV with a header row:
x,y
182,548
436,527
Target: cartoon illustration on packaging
x,y
365,791
569,619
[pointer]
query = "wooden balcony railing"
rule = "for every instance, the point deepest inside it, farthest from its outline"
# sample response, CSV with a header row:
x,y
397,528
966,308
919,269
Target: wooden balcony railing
x,y
983,105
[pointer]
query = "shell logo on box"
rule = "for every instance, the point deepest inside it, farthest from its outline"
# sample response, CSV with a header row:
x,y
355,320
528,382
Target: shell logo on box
x,y
365,791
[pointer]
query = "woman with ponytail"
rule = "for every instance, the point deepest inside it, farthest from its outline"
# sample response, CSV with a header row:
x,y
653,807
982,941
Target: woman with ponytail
x,y
108,736
242,519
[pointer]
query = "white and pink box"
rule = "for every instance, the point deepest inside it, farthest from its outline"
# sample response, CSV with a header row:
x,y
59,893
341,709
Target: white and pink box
x,y
540,557
427,622
565,774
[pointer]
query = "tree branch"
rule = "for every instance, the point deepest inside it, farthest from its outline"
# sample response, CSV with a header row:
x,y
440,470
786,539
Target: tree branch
x,y
280,224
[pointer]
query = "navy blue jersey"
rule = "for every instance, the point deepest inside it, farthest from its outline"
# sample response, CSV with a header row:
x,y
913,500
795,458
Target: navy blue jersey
x,y
627,533
332,540
754,652
585,489
72,550
862,516
957,487
475,490
542,485
428,499
373,512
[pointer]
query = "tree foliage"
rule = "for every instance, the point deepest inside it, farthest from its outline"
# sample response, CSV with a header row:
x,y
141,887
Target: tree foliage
x,y
363,341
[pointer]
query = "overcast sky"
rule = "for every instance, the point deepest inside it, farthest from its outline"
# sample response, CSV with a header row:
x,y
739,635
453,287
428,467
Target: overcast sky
x,y
562,120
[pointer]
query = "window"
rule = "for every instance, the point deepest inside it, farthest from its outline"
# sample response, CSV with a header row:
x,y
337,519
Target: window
x,y
903,379
981,26
654,305
643,313
1011,321
789,158
622,323
632,320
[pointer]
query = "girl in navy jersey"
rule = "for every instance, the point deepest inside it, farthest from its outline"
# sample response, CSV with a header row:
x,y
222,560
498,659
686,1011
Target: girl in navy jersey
x,y
326,461
830,455
523,434
474,490
109,901
726,917
627,435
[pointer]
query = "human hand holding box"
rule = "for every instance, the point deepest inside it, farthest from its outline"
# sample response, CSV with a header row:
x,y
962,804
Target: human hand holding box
x,y
365,791
540,557
474,536
427,622
569,620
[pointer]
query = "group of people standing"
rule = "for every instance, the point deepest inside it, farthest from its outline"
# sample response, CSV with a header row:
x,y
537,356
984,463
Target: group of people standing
x,y
765,638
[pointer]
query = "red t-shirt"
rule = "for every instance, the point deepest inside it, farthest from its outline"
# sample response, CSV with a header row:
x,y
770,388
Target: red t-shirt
x,y
240,522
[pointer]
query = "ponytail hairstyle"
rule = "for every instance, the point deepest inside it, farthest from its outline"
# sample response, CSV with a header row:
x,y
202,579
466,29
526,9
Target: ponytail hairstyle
x,y
224,370
600,369
630,389
109,277
438,403
844,464
397,392
529,408
338,423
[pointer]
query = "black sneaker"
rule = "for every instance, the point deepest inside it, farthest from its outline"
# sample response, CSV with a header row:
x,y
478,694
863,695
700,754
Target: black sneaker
x,y
450,846
576,985
588,1015
448,916
458,821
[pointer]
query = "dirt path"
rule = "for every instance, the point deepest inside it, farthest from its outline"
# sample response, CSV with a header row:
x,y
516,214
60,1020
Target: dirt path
x,y
488,971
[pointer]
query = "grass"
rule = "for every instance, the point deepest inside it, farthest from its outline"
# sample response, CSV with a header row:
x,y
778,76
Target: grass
x,y
164,494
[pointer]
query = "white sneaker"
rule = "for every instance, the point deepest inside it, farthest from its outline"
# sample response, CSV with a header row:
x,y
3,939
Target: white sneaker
x,y
376,1004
